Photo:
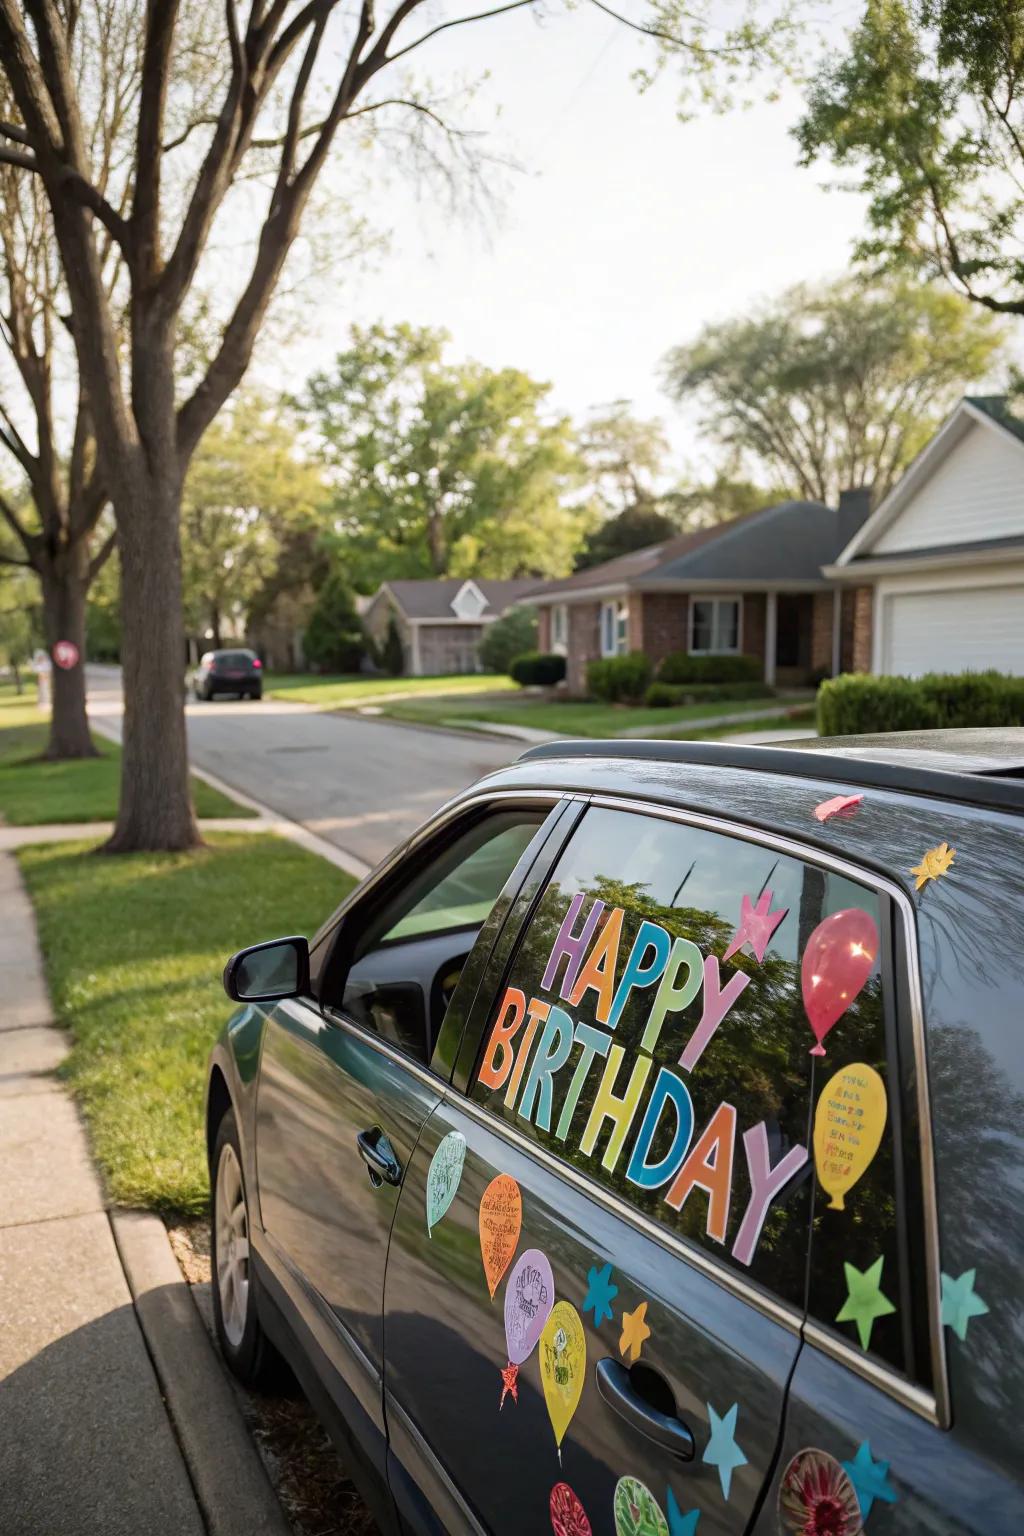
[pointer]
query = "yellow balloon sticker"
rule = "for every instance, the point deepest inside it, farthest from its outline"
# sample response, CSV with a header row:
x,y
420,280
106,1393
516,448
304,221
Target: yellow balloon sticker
x,y
848,1126
563,1366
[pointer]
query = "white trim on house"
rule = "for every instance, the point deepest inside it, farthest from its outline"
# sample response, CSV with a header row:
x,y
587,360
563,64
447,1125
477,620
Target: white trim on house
x,y
709,584
453,620
866,570
771,635
614,634
469,592
716,650
559,637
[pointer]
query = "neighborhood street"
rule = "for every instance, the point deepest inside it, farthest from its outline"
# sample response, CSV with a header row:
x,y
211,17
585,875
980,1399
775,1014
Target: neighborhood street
x,y
362,784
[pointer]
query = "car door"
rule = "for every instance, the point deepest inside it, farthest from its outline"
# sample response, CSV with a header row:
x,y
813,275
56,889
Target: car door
x,y
347,1080
639,1065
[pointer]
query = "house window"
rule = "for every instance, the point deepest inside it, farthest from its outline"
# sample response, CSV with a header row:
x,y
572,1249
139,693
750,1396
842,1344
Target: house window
x,y
560,628
714,625
615,628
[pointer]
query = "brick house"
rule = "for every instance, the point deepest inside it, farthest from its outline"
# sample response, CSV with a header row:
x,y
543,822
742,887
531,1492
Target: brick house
x,y
753,586
441,623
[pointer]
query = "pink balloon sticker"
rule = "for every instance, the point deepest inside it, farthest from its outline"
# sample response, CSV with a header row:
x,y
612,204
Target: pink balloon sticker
x,y
65,655
837,961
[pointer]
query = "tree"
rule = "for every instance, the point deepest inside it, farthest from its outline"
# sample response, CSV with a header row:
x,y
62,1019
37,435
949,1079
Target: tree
x,y
837,386
633,528
925,104
260,102
625,457
334,640
19,622
508,637
443,468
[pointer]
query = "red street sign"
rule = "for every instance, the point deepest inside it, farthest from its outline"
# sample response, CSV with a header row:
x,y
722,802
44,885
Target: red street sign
x,y
65,654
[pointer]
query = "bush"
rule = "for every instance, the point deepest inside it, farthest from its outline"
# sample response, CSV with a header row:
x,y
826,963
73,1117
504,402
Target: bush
x,y
537,669
855,703
671,695
619,679
511,636
334,639
680,667
392,652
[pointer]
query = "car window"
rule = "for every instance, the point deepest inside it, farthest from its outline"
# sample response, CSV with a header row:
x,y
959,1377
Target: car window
x,y
651,1030
463,885
235,658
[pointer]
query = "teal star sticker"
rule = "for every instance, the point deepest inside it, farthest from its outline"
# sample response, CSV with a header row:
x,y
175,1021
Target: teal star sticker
x,y
961,1302
870,1479
721,1450
678,1523
600,1294
865,1301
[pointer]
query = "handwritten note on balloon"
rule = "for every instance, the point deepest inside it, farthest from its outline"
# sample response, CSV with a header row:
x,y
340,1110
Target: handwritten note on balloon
x,y
529,1297
838,959
848,1125
501,1221
563,1365
443,1176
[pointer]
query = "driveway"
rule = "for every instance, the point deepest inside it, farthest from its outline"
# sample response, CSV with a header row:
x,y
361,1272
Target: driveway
x,y
362,784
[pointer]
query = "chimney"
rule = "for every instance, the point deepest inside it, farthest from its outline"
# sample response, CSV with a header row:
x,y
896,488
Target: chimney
x,y
854,510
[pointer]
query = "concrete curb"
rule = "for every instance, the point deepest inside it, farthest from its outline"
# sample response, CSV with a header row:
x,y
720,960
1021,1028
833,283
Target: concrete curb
x,y
230,1482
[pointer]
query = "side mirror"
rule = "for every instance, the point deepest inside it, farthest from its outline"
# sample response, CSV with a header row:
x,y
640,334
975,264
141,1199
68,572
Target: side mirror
x,y
267,973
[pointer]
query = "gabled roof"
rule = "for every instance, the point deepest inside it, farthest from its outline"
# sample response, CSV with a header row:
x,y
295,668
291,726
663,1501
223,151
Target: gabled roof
x,y
789,542
990,411
433,599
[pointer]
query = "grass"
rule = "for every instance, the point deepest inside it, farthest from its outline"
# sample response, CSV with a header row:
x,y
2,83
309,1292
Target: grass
x,y
134,946
564,717
34,792
339,692
799,719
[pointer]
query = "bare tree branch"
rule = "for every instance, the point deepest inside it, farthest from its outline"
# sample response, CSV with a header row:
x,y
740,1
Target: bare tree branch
x,y
102,555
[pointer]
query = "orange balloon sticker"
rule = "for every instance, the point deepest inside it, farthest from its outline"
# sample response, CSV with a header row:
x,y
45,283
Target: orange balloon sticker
x,y
501,1221
848,1126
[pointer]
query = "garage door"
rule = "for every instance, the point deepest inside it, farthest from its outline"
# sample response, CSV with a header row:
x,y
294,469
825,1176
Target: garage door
x,y
947,631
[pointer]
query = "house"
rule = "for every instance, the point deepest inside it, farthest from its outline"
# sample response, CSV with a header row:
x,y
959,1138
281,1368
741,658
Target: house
x,y
752,585
936,574
441,623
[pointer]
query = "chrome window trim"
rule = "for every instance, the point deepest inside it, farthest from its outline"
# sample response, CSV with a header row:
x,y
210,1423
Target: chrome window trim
x,y
933,1406
333,1020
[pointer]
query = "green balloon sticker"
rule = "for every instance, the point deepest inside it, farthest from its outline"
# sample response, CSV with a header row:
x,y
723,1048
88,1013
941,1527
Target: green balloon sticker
x,y
637,1511
443,1176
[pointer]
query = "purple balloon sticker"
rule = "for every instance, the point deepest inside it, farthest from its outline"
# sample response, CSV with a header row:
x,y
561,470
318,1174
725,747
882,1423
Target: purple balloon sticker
x,y
529,1297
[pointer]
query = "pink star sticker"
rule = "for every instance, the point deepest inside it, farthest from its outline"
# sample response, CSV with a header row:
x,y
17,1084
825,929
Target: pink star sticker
x,y
757,924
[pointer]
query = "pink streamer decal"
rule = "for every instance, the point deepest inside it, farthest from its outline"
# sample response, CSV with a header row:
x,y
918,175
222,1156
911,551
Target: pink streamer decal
x,y
717,1002
765,1184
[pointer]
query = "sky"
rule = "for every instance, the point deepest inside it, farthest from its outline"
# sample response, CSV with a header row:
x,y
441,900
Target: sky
x,y
623,233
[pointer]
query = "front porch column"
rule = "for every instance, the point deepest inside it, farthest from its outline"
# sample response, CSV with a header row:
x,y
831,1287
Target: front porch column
x,y
770,637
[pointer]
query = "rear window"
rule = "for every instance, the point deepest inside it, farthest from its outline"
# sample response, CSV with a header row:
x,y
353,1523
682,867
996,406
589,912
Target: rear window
x,y
233,659
651,1029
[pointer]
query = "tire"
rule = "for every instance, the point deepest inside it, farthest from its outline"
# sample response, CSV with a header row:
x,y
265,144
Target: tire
x,y
248,1352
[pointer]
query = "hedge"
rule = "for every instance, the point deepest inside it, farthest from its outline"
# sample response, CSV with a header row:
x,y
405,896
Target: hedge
x,y
537,669
671,695
619,679
680,667
855,703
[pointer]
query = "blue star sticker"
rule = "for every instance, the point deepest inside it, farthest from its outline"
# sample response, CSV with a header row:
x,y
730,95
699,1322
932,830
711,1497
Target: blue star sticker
x,y
961,1302
678,1523
870,1479
600,1294
721,1450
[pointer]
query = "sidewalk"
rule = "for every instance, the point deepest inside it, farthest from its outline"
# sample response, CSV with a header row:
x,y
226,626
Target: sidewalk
x,y
115,1414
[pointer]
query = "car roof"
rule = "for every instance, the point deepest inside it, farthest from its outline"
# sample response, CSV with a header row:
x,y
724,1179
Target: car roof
x,y
976,767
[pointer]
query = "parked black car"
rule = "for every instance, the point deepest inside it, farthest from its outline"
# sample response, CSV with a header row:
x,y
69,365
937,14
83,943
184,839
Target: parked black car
x,y
239,672
640,1147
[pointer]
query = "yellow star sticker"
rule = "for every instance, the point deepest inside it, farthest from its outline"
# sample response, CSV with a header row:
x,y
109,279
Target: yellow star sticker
x,y
935,863
634,1332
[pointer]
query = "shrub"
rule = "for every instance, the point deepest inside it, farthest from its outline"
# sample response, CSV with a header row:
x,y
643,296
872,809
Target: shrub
x,y
509,637
619,679
679,667
392,652
671,695
856,703
537,669
334,639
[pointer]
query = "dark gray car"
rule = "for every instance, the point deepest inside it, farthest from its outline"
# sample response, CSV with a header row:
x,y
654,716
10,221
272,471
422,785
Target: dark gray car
x,y
639,1150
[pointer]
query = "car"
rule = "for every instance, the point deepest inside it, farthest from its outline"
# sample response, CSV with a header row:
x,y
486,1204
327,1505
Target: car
x,y
239,672
639,1148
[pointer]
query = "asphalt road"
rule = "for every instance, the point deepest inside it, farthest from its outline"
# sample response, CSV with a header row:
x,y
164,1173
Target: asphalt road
x,y
362,784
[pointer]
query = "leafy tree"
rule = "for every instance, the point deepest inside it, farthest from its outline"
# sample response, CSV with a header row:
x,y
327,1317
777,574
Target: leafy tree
x,y
20,626
700,503
633,528
508,637
925,104
393,651
334,639
443,468
625,458
837,386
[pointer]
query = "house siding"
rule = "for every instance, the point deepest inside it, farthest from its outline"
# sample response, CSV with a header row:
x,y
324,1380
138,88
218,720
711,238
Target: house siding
x,y
862,605
584,643
544,629
657,624
976,493
821,632
753,631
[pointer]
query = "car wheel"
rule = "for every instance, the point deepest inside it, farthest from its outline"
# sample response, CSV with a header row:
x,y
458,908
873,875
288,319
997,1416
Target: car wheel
x,y
244,1345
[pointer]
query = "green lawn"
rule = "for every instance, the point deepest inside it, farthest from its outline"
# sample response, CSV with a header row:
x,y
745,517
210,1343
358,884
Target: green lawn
x,y
134,946
800,719
338,692
564,717
33,792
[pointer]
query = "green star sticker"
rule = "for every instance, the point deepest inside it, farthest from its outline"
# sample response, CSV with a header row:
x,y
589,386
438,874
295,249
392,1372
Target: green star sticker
x,y
865,1301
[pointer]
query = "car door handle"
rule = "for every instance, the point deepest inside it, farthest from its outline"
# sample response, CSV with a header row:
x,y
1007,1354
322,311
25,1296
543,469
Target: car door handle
x,y
616,1387
379,1156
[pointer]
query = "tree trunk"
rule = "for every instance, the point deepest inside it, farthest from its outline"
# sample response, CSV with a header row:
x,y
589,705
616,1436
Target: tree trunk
x,y
18,685
65,582
215,625
155,811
